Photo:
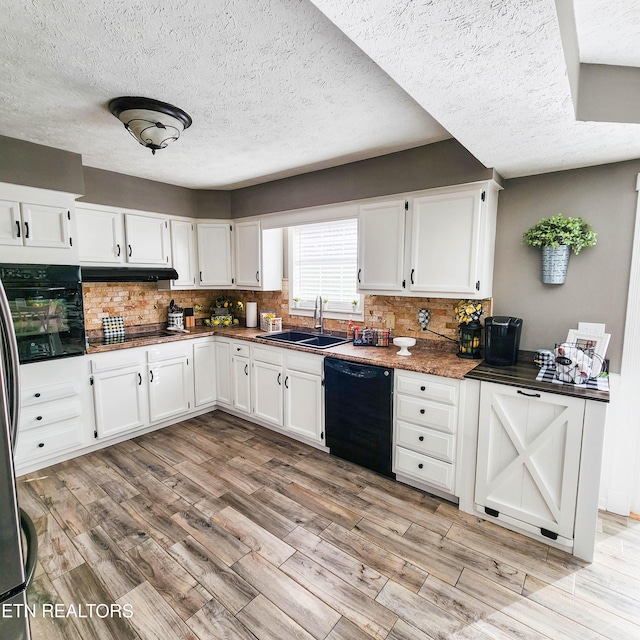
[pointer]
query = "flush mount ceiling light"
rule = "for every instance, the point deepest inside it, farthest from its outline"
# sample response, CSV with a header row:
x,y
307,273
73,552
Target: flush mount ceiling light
x,y
152,123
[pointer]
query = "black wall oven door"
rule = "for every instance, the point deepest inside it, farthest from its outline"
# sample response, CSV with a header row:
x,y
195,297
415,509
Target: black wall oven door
x,y
46,308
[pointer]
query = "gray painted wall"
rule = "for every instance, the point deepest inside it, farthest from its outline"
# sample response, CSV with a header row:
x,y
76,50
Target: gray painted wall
x,y
119,190
35,165
598,279
436,165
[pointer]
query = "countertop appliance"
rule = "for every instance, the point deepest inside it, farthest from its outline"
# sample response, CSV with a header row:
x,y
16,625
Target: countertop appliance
x,y
359,413
17,571
46,309
502,340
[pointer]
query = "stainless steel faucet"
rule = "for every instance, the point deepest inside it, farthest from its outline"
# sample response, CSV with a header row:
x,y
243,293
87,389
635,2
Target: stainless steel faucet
x,y
318,318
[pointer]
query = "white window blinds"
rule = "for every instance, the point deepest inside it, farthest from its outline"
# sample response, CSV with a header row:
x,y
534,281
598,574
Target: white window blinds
x,y
324,261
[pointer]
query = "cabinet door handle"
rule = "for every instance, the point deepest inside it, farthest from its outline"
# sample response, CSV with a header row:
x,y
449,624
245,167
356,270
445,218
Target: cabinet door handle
x,y
411,277
421,438
286,382
130,250
279,378
359,272
257,276
139,379
118,248
26,229
151,374
529,395
422,411
17,228
246,369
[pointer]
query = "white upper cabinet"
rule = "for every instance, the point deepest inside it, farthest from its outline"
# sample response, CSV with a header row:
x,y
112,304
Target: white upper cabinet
x,y
214,254
34,225
247,254
100,236
37,226
45,226
258,257
147,239
10,223
183,255
108,236
381,245
452,238
437,243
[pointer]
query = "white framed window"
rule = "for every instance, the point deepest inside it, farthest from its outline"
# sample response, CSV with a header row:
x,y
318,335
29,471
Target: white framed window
x,y
323,260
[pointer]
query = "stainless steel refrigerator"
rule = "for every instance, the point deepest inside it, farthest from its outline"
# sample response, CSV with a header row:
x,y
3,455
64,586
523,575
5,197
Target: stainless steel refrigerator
x,y
18,539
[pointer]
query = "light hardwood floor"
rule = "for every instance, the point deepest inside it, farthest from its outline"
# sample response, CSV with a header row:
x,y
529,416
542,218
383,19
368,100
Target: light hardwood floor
x,y
215,528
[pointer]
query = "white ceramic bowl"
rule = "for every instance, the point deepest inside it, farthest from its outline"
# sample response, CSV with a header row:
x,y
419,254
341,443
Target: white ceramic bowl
x,y
403,343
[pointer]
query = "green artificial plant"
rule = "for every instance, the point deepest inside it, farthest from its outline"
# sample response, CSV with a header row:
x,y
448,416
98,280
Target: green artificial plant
x,y
558,230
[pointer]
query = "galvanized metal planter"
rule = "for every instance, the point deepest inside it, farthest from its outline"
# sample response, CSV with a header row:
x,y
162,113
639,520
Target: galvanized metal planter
x,y
555,261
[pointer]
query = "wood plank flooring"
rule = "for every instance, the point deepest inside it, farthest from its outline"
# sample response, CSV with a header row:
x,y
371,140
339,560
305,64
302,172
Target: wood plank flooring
x,y
215,528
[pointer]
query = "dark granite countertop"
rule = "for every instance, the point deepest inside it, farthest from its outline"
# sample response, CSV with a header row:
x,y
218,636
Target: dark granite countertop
x,y
428,356
524,374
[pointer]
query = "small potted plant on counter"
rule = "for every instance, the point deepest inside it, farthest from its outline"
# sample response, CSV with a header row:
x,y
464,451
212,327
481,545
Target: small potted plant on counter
x,y
557,236
467,313
296,302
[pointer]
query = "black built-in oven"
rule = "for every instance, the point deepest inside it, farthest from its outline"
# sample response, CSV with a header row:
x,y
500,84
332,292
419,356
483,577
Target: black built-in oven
x,y
46,307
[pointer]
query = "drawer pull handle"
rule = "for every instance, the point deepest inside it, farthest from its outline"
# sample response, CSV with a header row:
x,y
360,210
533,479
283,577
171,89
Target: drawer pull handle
x,y
420,466
238,348
421,438
38,417
37,395
422,411
529,395
423,388
41,445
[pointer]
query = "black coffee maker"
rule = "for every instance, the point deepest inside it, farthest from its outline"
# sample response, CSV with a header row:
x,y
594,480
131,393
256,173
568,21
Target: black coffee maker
x,y
502,340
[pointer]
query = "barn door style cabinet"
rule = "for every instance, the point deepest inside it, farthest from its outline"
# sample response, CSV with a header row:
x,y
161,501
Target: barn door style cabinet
x,y
538,464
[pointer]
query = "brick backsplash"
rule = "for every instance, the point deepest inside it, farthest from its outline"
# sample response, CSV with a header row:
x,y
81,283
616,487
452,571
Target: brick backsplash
x,y
144,303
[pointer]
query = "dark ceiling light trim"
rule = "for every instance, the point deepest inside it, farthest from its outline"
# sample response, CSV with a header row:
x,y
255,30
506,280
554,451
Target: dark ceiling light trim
x,y
152,123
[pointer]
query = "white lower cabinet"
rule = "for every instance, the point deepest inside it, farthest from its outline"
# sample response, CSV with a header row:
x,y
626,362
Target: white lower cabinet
x,y
55,417
170,387
287,391
528,459
204,371
240,376
223,372
120,392
133,388
304,397
268,397
425,431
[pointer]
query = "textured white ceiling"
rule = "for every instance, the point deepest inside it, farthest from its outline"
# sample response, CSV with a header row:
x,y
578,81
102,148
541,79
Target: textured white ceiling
x,y
273,87
492,73
608,32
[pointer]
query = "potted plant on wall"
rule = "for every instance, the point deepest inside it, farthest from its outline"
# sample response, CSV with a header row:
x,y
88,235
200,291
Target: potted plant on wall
x,y
557,236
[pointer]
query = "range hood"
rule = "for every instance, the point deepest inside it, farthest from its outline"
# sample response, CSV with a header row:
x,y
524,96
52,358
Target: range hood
x,y
126,274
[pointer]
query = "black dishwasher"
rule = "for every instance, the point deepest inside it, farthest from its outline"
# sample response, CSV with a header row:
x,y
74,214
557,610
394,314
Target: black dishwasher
x,y
358,413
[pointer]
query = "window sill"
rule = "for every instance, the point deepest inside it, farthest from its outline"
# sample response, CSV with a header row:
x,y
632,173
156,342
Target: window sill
x,y
328,313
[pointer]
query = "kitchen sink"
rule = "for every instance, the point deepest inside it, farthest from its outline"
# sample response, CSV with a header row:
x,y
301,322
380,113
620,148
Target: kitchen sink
x,y
305,339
